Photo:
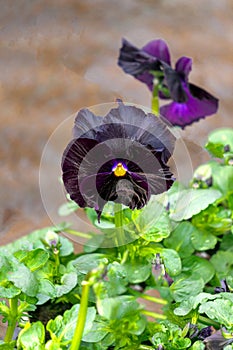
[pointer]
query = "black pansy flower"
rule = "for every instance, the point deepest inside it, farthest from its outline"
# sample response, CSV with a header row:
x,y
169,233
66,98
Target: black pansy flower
x,y
120,157
151,65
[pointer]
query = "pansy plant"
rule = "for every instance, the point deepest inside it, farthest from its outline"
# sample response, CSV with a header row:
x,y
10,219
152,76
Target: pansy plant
x,y
152,66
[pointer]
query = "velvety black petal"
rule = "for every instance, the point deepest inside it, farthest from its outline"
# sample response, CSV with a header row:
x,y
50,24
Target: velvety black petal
x,y
73,155
86,124
199,104
174,83
138,63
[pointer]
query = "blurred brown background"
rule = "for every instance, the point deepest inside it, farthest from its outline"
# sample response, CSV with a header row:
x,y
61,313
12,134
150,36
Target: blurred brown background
x,y
58,56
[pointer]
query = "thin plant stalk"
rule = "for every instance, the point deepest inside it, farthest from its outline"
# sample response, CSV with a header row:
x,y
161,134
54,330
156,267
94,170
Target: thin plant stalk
x,y
118,214
155,99
13,305
154,315
78,333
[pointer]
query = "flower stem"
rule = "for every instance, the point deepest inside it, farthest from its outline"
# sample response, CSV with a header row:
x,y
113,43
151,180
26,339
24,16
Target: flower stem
x,y
154,314
145,347
13,305
81,316
155,100
148,297
120,239
208,322
79,234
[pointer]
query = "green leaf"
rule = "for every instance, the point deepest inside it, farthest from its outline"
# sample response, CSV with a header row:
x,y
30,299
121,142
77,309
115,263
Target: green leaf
x,y
199,267
223,136
203,240
223,178
67,208
96,333
88,262
171,261
137,272
7,346
68,282
223,263
34,259
62,328
32,337
118,307
152,222
192,202
185,286
66,247
219,310
180,239
116,279
198,345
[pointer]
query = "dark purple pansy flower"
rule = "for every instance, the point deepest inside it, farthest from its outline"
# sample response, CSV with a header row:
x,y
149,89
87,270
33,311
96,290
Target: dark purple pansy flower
x,y
120,157
152,64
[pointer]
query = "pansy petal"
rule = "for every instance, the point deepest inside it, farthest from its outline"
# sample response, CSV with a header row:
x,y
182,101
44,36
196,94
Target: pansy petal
x,y
73,155
159,49
198,105
137,63
85,124
174,84
184,67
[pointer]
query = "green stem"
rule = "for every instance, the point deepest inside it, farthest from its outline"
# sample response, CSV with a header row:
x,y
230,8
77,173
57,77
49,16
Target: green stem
x,y
145,347
155,100
13,305
208,322
148,297
81,316
120,239
79,234
154,314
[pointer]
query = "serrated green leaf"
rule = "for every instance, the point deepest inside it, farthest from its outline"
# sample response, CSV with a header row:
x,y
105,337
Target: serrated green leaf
x,y
34,259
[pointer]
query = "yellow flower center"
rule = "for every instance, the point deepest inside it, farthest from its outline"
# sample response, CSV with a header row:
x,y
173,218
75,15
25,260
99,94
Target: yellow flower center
x,y
119,170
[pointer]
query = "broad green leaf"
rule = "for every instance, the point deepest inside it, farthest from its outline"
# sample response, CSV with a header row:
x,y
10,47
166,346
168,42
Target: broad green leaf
x,y
192,202
152,222
180,239
7,346
46,291
136,271
199,266
67,208
62,328
34,259
171,261
186,285
68,282
88,262
219,310
96,333
223,263
66,248
223,178
118,307
223,136
24,279
32,337
198,345
203,240
116,279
